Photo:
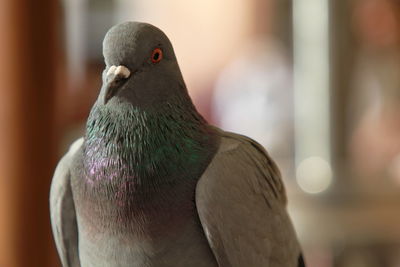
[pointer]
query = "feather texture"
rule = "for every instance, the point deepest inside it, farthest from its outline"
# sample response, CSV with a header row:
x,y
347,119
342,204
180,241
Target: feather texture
x,y
62,210
241,204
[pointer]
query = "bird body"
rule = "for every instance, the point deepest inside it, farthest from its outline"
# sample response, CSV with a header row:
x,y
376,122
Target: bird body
x,y
153,184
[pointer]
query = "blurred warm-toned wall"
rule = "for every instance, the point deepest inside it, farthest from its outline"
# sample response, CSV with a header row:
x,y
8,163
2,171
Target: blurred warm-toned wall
x,y
28,54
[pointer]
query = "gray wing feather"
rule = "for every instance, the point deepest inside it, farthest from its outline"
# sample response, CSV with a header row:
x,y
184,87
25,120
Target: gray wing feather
x,y
241,204
62,211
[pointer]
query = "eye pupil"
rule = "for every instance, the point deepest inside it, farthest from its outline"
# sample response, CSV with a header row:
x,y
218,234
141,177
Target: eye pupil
x,y
156,55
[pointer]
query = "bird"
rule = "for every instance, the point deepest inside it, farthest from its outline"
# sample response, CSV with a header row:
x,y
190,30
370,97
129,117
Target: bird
x,y
151,183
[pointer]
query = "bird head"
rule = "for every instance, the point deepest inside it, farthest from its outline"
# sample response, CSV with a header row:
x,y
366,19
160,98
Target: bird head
x,y
141,67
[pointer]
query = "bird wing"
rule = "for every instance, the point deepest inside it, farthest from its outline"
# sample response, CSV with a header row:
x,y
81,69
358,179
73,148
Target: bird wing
x,y
241,204
62,210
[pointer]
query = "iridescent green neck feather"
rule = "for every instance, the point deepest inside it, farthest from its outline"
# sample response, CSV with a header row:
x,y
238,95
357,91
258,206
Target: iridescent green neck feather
x,y
155,146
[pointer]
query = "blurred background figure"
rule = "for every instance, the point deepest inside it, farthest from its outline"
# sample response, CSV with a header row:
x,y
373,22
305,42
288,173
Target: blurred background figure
x,y
375,113
253,95
315,81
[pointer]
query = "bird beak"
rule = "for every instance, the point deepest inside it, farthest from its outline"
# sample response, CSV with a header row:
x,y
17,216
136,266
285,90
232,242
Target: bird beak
x,y
115,76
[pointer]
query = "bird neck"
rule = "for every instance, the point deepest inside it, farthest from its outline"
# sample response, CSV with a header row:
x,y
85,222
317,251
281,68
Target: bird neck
x,y
153,146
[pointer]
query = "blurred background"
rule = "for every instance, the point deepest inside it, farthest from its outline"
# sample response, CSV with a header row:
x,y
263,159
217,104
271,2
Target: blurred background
x,y
317,82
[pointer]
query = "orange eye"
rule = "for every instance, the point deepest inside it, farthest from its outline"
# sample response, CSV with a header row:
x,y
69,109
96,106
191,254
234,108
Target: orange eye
x,y
157,55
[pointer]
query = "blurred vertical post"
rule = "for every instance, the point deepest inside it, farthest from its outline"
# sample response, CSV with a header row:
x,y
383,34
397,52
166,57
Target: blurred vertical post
x,y
312,94
343,57
75,11
27,156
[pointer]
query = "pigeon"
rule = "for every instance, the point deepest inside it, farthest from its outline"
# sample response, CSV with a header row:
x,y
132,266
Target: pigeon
x,y
152,184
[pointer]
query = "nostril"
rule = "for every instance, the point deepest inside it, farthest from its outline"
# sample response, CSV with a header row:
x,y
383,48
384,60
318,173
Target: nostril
x,y
122,71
